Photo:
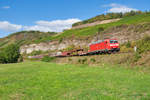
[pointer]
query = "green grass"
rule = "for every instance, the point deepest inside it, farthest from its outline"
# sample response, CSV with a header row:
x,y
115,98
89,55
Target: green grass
x,y
49,81
89,31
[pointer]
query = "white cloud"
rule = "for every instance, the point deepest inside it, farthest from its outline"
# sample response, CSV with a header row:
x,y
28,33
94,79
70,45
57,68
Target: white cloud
x,y
44,26
53,26
6,7
8,27
116,8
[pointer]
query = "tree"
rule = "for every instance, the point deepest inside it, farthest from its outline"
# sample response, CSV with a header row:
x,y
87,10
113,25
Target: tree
x,y
10,54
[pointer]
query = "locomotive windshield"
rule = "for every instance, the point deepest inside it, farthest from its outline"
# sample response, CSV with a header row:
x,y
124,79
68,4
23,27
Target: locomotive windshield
x,y
113,41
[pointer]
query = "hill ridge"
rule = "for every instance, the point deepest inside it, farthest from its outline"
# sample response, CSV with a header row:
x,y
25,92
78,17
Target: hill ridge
x,y
95,23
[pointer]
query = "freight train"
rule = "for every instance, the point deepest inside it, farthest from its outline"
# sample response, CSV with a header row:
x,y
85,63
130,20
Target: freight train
x,y
102,46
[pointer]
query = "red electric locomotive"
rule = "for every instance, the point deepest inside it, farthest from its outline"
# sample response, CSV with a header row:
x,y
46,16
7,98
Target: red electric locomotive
x,y
101,46
104,46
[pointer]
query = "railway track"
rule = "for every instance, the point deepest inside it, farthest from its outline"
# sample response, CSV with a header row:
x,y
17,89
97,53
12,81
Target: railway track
x,y
95,54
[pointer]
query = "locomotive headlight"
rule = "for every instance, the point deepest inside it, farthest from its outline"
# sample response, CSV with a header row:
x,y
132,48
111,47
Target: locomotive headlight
x,y
114,44
117,44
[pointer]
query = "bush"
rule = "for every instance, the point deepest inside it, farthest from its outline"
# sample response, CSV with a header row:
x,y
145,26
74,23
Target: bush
x,y
93,60
20,59
10,54
133,44
137,56
82,61
34,53
79,60
60,40
71,47
128,44
143,45
47,59
69,59
125,49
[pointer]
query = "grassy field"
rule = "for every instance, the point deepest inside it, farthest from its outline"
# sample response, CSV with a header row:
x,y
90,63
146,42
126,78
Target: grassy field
x,y
49,81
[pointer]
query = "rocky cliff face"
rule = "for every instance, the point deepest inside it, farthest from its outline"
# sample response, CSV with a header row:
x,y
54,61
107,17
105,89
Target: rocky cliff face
x,y
123,33
51,46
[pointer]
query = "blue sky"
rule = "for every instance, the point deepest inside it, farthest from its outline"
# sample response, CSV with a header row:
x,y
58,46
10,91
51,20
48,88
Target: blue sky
x,y
56,15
